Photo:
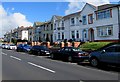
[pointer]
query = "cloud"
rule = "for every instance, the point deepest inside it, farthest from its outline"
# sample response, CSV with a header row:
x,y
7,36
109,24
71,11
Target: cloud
x,y
9,21
13,9
77,5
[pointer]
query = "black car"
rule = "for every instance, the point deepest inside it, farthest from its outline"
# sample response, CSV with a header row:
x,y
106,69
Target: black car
x,y
70,54
107,55
40,50
23,48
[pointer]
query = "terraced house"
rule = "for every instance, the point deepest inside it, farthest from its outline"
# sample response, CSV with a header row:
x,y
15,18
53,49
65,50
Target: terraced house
x,y
47,31
93,23
37,31
58,27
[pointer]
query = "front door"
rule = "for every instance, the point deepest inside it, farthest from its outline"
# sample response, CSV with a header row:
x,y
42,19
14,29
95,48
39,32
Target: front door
x,y
91,34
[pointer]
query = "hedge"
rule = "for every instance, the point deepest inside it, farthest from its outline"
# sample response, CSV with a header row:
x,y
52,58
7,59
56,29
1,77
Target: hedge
x,y
93,45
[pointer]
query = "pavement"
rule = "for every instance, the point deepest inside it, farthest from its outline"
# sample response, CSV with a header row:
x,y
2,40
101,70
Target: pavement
x,y
22,66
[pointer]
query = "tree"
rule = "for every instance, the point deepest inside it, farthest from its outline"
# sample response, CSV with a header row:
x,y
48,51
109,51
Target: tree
x,y
14,41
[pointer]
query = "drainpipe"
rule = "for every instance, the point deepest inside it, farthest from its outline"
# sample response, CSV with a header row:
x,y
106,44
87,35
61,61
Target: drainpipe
x,y
118,22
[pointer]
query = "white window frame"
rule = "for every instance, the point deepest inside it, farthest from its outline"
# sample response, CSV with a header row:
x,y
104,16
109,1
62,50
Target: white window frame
x,y
104,30
71,21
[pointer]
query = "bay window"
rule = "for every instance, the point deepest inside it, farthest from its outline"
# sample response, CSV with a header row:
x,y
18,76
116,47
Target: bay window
x,y
105,30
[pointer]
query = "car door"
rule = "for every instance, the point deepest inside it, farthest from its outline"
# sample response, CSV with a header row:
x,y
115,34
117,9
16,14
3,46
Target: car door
x,y
60,53
117,53
108,55
66,52
34,50
20,47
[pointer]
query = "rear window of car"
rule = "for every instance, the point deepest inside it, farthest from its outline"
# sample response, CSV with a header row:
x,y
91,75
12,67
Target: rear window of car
x,y
43,47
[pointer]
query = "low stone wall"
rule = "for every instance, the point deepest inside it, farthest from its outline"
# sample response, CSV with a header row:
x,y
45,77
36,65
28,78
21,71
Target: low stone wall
x,y
55,44
21,43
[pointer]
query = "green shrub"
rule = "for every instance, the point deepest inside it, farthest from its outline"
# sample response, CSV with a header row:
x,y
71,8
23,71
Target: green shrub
x,y
93,45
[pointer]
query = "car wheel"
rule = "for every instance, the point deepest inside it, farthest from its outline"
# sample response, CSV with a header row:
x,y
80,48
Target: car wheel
x,y
94,62
70,59
52,56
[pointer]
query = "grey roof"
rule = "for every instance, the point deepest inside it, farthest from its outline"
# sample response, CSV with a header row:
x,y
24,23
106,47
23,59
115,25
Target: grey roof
x,y
105,6
73,14
58,17
38,23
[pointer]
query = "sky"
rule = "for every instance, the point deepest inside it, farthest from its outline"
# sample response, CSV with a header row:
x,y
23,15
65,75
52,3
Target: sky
x,y
14,14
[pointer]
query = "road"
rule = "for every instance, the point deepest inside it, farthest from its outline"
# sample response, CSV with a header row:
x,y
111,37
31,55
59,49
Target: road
x,y
22,66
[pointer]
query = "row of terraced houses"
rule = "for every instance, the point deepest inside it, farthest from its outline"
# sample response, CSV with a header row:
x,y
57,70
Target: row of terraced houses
x,y
92,23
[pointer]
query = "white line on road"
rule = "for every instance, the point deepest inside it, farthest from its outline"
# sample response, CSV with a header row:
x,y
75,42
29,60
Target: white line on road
x,y
15,58
41,67
4,53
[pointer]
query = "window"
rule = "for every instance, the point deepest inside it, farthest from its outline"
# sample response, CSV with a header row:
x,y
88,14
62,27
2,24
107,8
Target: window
x,y
104,14
51,26
77,20
77,34
55,26
62,23
110,49
105,30
58,35
110,31
30,33
66,49
44,28
85,34
90,18
73,34
84,20
43,35
55,36
72,21
113,49
62,35
30,39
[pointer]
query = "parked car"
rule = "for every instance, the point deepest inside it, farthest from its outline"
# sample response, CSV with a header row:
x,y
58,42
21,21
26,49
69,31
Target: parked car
x,y
12,46
107,55
70,54
40,50
3,46
23,47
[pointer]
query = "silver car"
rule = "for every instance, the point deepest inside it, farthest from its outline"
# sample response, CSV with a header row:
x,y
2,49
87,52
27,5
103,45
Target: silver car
x,y
108,55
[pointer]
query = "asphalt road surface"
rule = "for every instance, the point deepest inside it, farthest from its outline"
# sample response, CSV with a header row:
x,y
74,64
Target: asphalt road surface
x,y
22,66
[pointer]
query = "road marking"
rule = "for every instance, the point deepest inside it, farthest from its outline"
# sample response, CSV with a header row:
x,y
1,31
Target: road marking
x,y
41,67
15,58
4,53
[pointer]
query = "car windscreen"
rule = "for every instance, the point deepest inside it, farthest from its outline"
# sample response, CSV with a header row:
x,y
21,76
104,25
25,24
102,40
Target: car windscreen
x,y
27,46
12,45
76,49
